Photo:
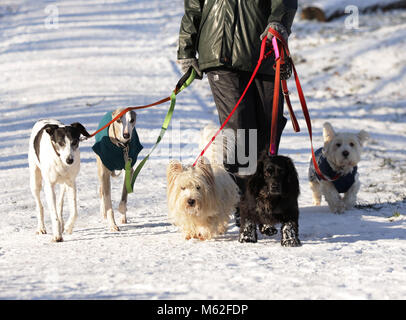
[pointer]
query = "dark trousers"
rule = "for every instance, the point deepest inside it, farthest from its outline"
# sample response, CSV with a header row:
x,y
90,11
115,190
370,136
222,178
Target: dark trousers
x,y
254,111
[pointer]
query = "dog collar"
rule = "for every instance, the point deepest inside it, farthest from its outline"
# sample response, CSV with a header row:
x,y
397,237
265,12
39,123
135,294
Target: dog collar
x,y
112,155
343,183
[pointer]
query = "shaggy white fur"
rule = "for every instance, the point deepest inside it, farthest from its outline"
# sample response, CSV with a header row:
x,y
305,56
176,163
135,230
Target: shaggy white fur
x,y
201,199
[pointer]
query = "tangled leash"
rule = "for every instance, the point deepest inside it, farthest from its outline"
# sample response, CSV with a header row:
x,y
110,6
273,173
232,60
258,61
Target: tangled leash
x,y
281,50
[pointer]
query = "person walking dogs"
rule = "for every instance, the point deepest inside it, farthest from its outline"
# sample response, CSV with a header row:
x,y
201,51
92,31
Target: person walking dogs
x,y
222,38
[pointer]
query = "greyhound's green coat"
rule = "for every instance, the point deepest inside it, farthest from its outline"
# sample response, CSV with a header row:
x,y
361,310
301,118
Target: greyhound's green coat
x,y
111,155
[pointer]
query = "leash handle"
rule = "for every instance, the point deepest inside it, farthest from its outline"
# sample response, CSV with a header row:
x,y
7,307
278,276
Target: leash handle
x,y
275,108
275,48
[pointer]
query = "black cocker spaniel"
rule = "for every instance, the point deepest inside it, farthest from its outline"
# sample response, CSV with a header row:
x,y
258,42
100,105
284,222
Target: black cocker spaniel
x,y
271,197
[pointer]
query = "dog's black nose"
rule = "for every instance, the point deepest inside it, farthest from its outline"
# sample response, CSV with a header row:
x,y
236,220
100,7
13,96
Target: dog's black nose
x,y
126,135
191,202
69,160
346,153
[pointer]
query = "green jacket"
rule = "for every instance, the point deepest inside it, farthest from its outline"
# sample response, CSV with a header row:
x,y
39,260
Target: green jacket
x,y
227,32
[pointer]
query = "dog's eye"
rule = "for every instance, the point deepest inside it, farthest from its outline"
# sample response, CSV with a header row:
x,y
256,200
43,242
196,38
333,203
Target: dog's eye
x,y
198,187
352,144
118,120
61,143
182,188
132,121
338,145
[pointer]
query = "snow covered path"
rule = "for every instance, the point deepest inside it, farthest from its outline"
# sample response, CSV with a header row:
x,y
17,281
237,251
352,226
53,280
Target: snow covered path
x,y
108,53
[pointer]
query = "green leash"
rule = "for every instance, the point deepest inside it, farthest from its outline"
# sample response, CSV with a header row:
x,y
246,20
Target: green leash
x,y
182,84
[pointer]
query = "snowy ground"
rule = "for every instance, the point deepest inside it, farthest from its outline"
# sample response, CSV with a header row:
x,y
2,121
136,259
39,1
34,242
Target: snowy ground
x,y
108,53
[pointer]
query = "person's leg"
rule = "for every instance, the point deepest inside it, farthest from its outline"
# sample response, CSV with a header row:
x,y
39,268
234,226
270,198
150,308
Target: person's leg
x,y
265,91
227,87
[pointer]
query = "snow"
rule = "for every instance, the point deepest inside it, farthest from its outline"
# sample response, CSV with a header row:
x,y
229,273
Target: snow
x,y
108,53
331,6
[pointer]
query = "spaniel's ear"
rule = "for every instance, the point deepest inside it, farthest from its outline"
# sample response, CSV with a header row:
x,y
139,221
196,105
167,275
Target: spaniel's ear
x,y
292,179
256,181
173,169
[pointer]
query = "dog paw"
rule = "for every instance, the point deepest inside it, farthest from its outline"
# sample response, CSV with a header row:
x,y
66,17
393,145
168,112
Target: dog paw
x,y
338,210
350,205
267,229
247,239
289,235
57,239
336,207
248,234
41,230
200,237
114,228
291,243
68,230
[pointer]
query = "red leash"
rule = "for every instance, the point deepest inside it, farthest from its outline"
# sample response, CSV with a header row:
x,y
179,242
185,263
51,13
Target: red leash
x,y
287,99
278,83
262,56
179,86
129,109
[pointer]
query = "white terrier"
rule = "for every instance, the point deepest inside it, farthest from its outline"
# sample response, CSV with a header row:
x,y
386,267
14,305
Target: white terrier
x,y
338,159
201,199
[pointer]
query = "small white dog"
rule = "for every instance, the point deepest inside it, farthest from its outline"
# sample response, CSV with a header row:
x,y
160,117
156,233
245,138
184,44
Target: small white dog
x,y
338,159
201,199
54,157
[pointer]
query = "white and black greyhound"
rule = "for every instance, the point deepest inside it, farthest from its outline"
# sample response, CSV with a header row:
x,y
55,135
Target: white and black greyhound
x,y
54,157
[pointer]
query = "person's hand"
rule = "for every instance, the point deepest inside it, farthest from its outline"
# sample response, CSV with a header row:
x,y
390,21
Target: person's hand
x,y
278,27
186,64
286,67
